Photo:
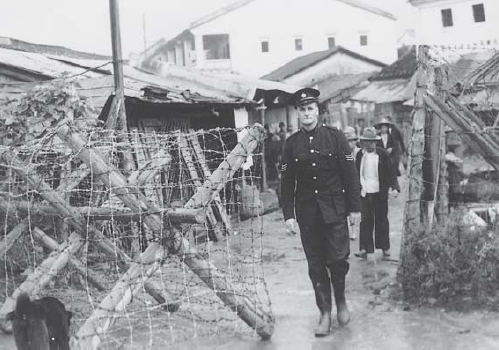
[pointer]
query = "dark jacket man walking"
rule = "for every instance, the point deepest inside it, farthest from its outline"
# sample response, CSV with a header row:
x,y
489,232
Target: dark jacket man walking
x,y
320,188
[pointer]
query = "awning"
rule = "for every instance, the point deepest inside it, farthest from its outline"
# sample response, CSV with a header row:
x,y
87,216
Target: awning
x,y
387,91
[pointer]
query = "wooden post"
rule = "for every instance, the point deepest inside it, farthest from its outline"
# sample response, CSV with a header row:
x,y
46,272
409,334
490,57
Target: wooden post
x,y
412,210
12,237
247,308
442,190
433,150
119,84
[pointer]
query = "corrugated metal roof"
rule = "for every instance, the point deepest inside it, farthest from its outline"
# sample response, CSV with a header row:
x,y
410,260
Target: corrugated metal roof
x,y
40,64
387,91
303,62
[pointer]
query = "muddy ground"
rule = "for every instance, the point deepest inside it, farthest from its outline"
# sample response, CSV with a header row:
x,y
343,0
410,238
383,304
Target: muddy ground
x,y
379,320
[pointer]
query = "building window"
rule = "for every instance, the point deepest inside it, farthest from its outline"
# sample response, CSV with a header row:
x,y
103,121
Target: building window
x,y
363,40
216,47
447,18
331,42
478,13
298,44
265,46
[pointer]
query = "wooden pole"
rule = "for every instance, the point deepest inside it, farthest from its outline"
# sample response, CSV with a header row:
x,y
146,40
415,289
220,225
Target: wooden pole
x,y
119,84
412,210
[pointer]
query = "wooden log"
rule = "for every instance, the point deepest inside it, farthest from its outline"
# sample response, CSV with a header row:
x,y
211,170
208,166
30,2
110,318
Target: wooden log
x,y
175,215
412,210
89,336
48,269
212,186
246,308
77,264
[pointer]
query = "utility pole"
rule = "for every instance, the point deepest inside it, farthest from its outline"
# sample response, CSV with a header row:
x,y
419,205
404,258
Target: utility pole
x,y
117,114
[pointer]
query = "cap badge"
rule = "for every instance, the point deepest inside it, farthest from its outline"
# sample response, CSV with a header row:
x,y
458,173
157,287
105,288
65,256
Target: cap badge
x,y
303,95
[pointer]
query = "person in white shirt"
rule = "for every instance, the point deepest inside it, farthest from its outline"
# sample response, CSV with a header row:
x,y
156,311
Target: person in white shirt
x,y
376,178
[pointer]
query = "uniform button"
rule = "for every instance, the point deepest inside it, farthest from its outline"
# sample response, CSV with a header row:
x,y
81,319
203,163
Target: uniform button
x,y
311,151
315,177
311,138
316,191
296,159
313,164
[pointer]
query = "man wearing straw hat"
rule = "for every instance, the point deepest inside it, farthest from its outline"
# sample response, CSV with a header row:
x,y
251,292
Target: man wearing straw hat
x,y
392,141
376,178
319,182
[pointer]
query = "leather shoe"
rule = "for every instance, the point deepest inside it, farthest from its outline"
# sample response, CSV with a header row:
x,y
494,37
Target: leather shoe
x,y
324,326
343,314
362,254
386,253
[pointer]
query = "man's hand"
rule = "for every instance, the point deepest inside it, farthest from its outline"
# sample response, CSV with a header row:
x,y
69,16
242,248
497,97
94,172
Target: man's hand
x,y
292,226
354,218
389,150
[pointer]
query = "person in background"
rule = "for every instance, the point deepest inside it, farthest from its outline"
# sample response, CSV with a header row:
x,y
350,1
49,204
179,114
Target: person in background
x,y
359,127
353,140
387,142
376,178
320,187
399,144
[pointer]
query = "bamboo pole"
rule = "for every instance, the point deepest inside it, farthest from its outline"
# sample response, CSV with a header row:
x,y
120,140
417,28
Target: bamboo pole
x,y
90,335
162,296
77,264
247,309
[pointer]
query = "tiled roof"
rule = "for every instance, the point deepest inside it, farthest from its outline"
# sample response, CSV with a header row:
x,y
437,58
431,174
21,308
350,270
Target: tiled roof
x,y
303,62
403,68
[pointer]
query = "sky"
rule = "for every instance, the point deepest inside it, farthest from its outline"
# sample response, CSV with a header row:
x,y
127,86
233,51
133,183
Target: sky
x,y
84,24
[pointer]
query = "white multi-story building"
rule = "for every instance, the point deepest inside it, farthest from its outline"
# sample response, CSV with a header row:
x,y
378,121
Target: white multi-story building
x,y
254,37
461,24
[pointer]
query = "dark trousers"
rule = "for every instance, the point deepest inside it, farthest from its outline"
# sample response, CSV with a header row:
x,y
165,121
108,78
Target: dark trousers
x,y
374,215
327,247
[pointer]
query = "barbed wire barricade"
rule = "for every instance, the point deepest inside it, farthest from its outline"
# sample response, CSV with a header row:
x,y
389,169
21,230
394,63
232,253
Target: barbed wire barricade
x,y
149,253
451,240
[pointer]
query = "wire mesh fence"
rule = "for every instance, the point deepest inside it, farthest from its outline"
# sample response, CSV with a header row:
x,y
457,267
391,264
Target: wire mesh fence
x,y
139,234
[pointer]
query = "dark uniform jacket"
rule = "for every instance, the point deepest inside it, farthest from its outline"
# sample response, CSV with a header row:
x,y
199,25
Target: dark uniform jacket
x,y
318,171
385,170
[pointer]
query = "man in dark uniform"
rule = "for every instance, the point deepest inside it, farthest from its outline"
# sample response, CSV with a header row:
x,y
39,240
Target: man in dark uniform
x,y
320,182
